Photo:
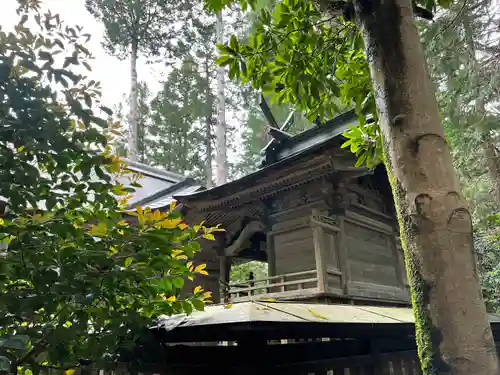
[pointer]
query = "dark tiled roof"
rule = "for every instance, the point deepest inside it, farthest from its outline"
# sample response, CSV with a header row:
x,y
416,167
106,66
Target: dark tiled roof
x,y
158,186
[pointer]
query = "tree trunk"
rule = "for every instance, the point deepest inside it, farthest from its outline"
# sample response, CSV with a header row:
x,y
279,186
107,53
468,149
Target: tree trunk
x,y
220,131
453,332
133,114
208,127
493,160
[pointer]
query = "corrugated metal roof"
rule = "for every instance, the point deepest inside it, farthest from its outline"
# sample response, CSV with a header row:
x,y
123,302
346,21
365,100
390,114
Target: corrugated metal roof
x,y
285,312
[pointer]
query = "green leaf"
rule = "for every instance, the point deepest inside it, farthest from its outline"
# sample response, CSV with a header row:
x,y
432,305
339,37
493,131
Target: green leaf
x,y
361,159
346,143
166,285
224,60
178,282
128,261
198,305
187,307
4,363
234,43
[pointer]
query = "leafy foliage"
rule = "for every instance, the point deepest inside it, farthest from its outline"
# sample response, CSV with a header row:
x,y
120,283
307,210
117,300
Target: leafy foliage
x,y
295,55
80,278
177,114
240,272
151,24
487,246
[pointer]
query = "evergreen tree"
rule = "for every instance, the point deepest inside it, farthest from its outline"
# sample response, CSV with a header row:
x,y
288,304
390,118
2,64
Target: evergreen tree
x,y
176,140
143,121
133,27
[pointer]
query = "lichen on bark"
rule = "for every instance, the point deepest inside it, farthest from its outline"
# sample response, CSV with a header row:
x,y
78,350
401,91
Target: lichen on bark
x,y
418,287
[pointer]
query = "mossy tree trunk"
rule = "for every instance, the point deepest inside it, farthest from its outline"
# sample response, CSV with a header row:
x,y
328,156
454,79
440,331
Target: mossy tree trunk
x,y
453,332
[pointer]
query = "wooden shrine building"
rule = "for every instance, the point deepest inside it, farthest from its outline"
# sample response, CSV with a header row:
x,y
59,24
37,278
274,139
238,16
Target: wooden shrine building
x,y
327,230
336,300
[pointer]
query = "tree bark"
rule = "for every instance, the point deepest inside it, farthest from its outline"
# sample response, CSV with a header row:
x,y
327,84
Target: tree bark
x,y
220,131
453,332
208,127
133,114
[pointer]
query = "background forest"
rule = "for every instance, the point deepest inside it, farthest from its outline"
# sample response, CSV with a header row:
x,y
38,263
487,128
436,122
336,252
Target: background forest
x,y
201,125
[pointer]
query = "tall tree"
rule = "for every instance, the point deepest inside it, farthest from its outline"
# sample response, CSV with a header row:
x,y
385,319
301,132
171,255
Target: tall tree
x,y
133,27
309,51
143,119
221,170
176,138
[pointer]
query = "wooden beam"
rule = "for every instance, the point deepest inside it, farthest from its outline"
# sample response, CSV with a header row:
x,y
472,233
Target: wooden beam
x,y
267,112
241,242
278,134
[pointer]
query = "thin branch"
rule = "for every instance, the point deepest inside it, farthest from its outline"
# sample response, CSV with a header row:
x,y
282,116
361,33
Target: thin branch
x,y
452,22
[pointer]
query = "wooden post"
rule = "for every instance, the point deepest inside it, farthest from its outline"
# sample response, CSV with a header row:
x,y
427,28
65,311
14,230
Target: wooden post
x,y
224,279
342,251
377,365
271,256
319,255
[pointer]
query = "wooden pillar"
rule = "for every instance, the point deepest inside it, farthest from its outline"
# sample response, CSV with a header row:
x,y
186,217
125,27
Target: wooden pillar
x,y
377,365
271,255
319,255
343,256
338,205
225,269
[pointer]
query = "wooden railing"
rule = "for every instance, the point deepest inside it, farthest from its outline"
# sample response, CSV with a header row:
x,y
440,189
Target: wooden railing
x,y
273,284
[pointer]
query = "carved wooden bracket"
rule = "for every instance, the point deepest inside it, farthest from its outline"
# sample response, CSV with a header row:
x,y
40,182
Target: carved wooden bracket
x,y
243,239
329,222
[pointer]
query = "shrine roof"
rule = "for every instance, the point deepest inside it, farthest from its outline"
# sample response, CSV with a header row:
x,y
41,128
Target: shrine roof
x,y
309,138
158,186
220,322
284,153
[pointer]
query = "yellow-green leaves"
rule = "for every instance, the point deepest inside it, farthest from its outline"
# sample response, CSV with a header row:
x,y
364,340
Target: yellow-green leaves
x,y
98,230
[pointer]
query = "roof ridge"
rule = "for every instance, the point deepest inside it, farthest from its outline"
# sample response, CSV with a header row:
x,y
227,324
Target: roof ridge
x,y
163,192
149,170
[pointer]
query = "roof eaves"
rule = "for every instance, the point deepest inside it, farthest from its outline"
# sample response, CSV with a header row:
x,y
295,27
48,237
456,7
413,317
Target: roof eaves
x,y
167,191
154,172
340,123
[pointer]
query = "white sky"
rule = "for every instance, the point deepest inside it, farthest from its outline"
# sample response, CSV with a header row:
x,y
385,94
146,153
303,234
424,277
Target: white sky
x,y
114,74
111,72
